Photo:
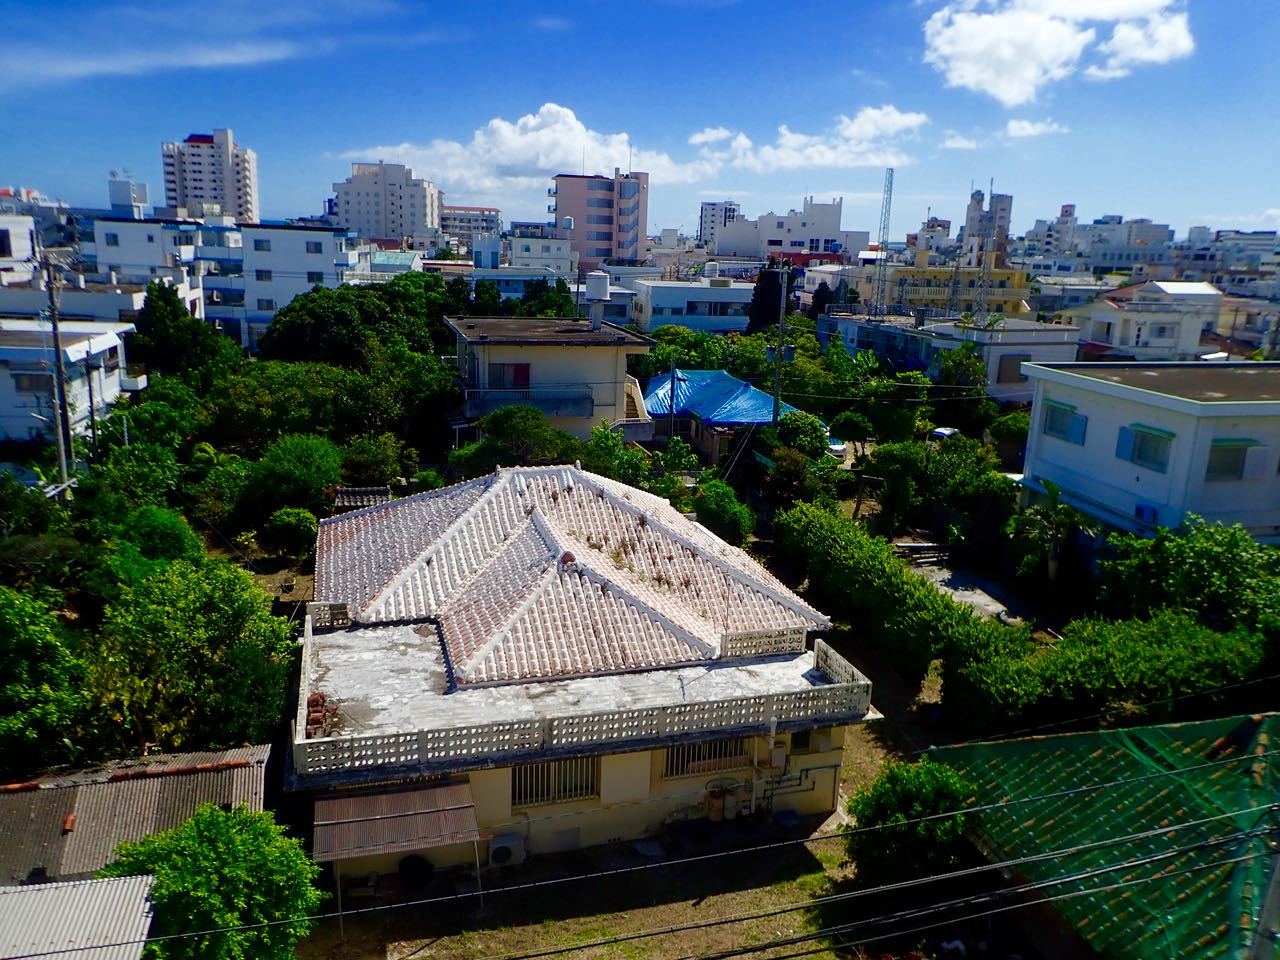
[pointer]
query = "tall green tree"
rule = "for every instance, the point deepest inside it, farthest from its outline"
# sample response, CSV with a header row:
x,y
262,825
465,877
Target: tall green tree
x,y
515,435
40,677
822,299
721,512
298,470
768,297
170,340
191,659
232,872
804,432
968,406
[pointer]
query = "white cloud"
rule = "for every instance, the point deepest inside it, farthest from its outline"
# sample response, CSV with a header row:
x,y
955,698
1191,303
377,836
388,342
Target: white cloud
x,y
710,135
1011,49
552,24
1033,128
506,157
955,141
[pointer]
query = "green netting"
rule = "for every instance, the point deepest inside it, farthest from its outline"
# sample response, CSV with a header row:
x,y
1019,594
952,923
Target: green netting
x,y
1211,911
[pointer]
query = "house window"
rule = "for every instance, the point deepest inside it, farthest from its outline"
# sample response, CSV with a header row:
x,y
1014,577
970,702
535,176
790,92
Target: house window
x,y
315,246
32,382
1235,460
1010,369
151,238
112,239
1145,446
315,276
556,781
111,360
1063,423
694,759
266,304
262,246
508,376
263,275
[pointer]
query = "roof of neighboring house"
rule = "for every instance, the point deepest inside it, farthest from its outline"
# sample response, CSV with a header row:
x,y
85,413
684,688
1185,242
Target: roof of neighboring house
x,y
404,258
69,824
104,919
1174,288
713,396
1197,381
1205,902
553,331
353,498
539,573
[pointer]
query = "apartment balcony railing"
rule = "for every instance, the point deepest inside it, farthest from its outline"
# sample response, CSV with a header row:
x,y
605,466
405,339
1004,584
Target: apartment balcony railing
x,y
554,403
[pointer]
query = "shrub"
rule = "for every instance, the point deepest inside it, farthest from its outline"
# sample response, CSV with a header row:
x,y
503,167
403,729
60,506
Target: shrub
x,y
291,531
900,850
804,432
162,534
298,470
374,460
1012,428
428,479
720,511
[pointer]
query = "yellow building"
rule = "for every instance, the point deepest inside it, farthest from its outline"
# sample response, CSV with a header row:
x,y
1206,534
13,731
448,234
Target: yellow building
x,y
543,659
929,287
574,371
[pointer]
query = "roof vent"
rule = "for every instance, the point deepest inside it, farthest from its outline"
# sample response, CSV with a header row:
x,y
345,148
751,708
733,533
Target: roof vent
x,y
567,558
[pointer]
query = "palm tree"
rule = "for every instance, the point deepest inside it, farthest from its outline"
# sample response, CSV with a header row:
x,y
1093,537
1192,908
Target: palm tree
x,y
1049,525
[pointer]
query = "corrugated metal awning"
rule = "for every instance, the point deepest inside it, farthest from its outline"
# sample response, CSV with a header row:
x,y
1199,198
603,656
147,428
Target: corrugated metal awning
x,y
412,819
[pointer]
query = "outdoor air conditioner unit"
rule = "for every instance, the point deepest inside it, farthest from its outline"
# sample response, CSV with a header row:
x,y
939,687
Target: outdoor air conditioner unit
x,y
1145,513
506,850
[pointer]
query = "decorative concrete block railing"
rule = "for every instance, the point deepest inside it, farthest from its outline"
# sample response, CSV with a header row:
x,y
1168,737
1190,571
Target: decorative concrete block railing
x,y
847,699
764,642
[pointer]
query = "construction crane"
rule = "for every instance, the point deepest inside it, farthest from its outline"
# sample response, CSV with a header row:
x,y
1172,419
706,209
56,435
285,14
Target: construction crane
x,y
882,255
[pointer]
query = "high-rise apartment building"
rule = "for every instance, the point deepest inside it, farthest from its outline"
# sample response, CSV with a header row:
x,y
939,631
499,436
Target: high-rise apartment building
x,y
990,221
609,214
714,215
211,168
387,201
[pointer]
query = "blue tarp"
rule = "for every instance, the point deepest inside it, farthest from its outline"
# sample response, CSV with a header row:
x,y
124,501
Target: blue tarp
x,y
713,397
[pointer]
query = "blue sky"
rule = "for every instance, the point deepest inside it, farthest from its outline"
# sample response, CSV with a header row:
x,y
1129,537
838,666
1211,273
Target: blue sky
x,y
1157,108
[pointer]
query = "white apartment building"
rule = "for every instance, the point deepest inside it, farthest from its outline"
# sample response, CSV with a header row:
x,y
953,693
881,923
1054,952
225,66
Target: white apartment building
x,y
1154,320
209,168
1141,445
93,357
711,304
986,223
537,253
460,222
815,228
386,200
713,216
17,247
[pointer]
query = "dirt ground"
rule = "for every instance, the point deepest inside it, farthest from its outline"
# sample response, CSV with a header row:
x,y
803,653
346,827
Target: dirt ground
x,y
580,912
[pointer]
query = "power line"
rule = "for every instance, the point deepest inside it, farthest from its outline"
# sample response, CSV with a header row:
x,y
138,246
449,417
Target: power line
x,y
886,888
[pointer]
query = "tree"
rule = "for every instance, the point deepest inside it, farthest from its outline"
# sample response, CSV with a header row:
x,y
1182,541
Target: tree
x,y
895,405
677,457
968,407
605,453
217,499
852,427
170,340
894,849
901,467
191,659
1046,528
162,534
515,435
142,473
803,431
219,871
486,301
291,531
822,299
298,470
374,460
767,299
720,511
1011,429
543,299
40,676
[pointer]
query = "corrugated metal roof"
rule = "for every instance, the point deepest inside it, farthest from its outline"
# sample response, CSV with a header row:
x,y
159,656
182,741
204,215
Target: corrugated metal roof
x,y
77,920
394,822
74,821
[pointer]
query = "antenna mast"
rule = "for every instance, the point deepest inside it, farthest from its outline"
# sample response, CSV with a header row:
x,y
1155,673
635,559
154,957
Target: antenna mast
x,y
882,259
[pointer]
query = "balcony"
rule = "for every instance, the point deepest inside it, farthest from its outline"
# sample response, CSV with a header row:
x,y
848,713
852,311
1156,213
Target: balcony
x,y
554,403
134,377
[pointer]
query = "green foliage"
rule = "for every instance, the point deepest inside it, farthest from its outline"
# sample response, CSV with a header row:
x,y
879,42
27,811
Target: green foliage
x,y
217,498
298,470
896,405
858,579
140,474
605,453
899,850
901,467
766,298
1044,529
822,298
543,299
190,659
428,479
1094,667
163,534
804,432
852,427
1219,574
290,531
794,477
170,340
219,871
968,407
720,511
374,460
40,676
516,435
677,456
1012,428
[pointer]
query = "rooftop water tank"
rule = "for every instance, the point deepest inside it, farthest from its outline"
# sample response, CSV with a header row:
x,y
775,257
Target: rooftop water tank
x,y
597,285
711,269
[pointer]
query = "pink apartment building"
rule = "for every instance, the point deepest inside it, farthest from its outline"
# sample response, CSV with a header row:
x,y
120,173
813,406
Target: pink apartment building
x,y
610,214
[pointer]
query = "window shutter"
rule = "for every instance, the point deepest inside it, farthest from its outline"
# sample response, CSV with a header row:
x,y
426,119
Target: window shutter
x,y
1256,460
1124,444
1075,432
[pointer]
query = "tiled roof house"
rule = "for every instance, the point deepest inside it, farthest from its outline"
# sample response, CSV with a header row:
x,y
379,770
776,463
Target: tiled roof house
x,y
550,639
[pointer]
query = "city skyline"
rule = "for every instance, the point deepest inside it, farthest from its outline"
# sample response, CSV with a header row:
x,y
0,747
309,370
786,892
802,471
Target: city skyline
x,y
950,93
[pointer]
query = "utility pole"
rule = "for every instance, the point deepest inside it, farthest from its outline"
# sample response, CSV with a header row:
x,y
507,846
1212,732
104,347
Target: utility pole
x,y
783,274
671,414
62,419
